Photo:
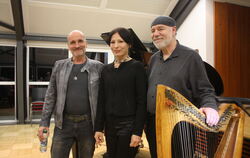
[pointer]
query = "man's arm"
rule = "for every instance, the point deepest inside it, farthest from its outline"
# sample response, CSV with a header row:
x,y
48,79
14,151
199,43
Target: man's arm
x,y
50,99
204,91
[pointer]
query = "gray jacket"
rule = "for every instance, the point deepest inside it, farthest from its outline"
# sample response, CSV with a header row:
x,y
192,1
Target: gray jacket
x,y
56,93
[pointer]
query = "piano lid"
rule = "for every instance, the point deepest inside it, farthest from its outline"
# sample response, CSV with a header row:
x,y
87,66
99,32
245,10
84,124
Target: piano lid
x,y
214,78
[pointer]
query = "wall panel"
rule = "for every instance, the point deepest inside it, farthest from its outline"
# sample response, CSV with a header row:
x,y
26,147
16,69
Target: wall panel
x,y
232,46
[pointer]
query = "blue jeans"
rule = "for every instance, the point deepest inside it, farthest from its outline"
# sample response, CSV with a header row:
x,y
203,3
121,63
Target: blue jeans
x,y
64,138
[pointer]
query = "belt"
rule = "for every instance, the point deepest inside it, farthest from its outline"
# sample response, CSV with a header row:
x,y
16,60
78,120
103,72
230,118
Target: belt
x,y
77,118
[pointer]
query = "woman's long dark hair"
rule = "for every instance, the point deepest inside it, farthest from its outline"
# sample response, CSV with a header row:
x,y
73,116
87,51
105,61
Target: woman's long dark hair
x,y
127,36
124,33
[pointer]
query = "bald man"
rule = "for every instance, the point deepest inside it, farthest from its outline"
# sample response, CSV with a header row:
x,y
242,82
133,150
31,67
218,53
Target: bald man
x,y
72,96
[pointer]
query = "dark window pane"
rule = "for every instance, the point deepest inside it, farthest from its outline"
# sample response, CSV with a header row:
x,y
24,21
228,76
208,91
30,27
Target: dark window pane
x,y
42,61
7,101
7,58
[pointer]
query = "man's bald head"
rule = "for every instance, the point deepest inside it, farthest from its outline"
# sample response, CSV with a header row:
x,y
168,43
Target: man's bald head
x,y
76,32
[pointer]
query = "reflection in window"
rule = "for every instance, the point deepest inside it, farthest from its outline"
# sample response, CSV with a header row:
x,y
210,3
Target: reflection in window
x,y
42,61
102,57
37,94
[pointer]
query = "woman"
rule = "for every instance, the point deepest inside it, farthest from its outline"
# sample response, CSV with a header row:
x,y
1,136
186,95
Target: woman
x,y
121,109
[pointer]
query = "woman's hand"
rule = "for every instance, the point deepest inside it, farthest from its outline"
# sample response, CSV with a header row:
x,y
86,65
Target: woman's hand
x,y
99,138
135,141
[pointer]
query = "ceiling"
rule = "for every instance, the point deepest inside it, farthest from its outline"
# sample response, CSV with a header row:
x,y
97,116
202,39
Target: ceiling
x,y
93,17
59,17
56,18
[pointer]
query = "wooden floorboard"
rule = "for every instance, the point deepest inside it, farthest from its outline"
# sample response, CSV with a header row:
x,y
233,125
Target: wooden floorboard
x,y
20,141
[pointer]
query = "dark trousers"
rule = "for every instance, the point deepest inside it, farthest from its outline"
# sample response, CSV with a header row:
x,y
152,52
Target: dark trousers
x,y
118,147
63,139
151,135
118,134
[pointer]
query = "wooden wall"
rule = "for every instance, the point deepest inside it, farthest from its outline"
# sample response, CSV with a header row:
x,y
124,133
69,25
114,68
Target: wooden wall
x,y
232,48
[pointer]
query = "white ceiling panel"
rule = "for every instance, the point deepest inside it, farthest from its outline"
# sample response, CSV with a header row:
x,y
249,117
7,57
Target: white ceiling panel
x,y
6,16
90,3
145,6
6,12
57,19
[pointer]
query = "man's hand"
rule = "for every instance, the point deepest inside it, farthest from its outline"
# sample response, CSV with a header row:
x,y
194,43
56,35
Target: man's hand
x,y
135,141
212,116
99,138
40,132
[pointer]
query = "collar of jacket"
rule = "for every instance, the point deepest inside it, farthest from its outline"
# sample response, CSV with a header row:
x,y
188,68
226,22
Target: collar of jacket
x,y
86,67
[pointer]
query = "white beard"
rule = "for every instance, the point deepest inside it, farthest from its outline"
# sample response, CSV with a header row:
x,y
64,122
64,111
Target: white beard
x,y
162,44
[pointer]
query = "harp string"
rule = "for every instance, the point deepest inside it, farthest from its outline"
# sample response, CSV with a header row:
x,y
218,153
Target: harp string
x,y
192,142
183,140
189,141
201,144
173,106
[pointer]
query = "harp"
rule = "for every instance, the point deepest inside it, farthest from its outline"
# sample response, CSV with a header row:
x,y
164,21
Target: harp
x,y
173,110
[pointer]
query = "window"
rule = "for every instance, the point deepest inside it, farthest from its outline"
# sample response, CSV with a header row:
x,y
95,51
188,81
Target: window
x,y
42,60
7,83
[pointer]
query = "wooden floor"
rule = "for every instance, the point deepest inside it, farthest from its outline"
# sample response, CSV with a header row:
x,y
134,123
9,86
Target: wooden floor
x,y
20,141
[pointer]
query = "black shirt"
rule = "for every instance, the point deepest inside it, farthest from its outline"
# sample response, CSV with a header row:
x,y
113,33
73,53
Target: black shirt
x,y
183,71
77,97
122,94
